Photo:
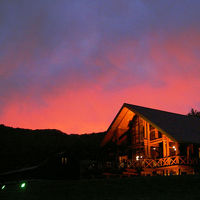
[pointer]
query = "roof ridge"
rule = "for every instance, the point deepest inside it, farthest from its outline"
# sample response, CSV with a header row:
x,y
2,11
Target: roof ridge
x,y
156,110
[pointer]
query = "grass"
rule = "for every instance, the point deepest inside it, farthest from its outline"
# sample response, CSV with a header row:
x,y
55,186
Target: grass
x,y
137,188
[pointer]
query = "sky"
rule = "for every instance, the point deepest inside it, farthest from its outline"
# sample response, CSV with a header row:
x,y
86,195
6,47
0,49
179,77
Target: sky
x,y
71,64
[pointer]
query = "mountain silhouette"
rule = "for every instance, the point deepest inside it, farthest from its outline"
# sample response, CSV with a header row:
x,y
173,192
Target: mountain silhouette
x,y
21,148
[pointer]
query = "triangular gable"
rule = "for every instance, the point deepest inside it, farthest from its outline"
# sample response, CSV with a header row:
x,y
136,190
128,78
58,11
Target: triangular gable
x,y
179,128
127,113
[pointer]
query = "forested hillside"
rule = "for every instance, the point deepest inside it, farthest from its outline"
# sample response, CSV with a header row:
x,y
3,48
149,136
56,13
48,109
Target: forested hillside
x,y
25,147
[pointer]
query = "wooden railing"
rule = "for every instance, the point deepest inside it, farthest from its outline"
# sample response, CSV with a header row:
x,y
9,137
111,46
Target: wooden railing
x,y
161,162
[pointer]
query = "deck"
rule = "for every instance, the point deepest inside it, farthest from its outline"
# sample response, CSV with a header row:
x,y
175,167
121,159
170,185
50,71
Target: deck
x,y
161,162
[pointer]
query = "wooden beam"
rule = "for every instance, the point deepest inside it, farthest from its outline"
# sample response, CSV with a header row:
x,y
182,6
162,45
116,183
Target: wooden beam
x,y
145,139
156,141
167,147
148,140
164,146
188,152
145,148
145,129
156,133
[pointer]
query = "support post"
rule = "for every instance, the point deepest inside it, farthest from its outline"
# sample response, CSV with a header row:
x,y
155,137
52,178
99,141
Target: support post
x,y
167,147
188,153
164,146
145,129
156,133
148,140
145,139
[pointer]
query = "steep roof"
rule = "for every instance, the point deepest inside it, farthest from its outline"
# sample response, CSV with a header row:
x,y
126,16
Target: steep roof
x,y
183,128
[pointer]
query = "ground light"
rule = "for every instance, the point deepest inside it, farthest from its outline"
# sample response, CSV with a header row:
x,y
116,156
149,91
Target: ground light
x,y
23,185
3,187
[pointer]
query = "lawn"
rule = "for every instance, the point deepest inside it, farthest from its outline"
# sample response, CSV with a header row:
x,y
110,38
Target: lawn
x,y
172,187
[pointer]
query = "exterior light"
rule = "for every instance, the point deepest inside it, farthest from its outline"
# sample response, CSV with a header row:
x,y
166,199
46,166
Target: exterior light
x,y
140,156
154,148
23,185
174,148
137,157
3,187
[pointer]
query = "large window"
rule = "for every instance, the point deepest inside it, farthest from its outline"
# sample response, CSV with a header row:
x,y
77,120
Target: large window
x,y
138,131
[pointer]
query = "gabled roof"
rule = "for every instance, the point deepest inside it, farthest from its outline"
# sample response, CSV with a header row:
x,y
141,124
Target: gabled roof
x,y
180,128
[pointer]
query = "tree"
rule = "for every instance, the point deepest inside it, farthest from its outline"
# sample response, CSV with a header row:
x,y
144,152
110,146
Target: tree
x,y
194,113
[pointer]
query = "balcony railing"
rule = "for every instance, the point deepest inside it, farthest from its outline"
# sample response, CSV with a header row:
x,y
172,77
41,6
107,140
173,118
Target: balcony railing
x,y
161,162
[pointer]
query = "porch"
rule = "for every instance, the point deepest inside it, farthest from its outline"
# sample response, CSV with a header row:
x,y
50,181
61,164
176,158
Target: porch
x,y
160,162
172,165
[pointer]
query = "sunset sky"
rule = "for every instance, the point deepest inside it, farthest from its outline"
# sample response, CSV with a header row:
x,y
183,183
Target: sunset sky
x,y
71,64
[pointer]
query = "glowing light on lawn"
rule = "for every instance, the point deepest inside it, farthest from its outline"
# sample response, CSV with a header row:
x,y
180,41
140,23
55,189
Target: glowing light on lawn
x,y
3,187
23,185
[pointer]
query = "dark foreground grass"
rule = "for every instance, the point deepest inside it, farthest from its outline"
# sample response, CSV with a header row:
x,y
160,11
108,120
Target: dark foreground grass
x,y
173,187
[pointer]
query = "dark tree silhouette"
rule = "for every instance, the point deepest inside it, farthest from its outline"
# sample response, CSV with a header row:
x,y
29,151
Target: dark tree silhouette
x,y
194,113
20,148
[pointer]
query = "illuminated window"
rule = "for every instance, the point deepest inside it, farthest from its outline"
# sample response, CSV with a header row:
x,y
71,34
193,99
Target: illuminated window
x,y
64,160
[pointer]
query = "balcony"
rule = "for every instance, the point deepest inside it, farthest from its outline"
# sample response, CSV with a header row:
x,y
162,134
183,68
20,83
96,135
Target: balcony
x,y
161,162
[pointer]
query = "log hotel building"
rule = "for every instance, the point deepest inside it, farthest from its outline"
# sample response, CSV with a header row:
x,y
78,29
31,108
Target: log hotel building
x,y
147,141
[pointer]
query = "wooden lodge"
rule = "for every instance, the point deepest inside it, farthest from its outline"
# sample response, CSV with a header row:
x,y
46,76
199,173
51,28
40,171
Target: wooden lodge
x,y
147,141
